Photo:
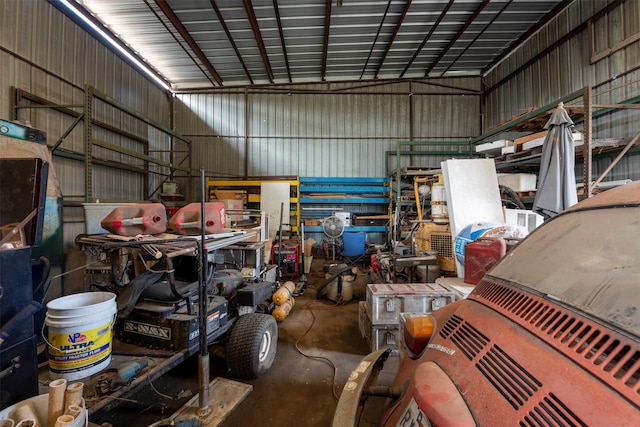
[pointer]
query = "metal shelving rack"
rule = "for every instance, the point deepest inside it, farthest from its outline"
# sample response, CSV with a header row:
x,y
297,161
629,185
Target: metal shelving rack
x,y
586,94
464,149
253,197
327,194
25,100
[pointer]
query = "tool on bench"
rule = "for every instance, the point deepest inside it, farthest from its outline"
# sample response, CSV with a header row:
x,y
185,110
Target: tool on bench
x,y
115,379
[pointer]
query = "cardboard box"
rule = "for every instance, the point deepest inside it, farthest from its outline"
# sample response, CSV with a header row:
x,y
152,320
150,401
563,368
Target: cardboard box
x,y
232,205
230,194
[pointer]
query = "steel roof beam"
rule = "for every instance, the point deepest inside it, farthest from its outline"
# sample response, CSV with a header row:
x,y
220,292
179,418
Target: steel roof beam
x,y
497,15
230,37
393,37
173,18
325,44
542,22
253,20
384,17
455,38
179,42
428,36
282,42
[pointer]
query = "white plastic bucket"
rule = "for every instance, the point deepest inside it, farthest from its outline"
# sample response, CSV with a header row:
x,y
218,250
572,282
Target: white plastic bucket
x,y
80,334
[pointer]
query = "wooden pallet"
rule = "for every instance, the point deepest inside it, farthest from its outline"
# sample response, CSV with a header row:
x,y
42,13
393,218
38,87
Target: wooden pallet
x,y
536,124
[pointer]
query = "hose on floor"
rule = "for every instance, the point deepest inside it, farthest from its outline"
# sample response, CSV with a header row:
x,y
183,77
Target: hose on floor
x,y
309,306
330,279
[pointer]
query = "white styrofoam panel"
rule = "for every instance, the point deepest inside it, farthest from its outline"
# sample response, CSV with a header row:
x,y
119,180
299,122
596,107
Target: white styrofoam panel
x,y
471,187
274,199
518,181
494,146
507,150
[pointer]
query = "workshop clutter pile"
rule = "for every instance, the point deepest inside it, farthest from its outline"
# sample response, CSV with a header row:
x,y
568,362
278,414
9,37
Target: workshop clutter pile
x,y
63,406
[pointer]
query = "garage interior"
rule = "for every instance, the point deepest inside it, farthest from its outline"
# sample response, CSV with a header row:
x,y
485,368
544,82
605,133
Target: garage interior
x,y
342,152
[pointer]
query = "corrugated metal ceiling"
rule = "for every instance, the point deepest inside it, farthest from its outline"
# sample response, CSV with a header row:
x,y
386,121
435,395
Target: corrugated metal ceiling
x,y
196,44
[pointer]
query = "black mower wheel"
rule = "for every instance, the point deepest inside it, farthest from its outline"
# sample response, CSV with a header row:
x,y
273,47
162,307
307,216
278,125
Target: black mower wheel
x,y
251,348
510,198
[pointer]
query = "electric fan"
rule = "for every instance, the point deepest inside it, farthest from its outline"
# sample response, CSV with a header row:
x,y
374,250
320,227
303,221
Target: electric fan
x,y
333,227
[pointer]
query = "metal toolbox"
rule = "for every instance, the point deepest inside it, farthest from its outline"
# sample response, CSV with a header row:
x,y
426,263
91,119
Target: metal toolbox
x,y
380,336
385,302
364,323
385,336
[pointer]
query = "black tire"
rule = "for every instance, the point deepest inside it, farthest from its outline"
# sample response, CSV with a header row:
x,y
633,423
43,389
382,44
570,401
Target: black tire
x,y
251,348
510,198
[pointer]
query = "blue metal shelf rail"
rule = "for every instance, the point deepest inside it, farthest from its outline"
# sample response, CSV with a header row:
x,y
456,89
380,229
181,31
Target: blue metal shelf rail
x,y
342,193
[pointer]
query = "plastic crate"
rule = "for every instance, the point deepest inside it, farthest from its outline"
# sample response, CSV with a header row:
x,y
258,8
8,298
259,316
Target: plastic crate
x,y
385,302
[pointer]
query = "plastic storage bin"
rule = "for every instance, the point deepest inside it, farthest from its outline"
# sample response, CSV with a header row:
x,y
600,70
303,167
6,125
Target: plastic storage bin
x,y
94,213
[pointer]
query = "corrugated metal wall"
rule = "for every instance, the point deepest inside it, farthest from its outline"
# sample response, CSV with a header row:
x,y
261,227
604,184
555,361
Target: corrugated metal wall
x,y
561,65
323,130
44,53
330,129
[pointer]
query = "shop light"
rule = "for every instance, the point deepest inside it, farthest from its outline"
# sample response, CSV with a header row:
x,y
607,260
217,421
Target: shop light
x,y
106,37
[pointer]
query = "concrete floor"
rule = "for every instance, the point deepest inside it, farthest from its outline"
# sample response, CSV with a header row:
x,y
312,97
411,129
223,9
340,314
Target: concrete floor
x,y
319,344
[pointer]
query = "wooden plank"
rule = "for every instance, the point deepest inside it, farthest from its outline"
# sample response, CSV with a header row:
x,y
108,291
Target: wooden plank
x,y
522,154
224,396
537,122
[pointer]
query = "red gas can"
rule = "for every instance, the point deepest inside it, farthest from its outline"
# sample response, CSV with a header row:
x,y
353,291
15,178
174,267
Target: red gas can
x,y
130,220
188,219
480,256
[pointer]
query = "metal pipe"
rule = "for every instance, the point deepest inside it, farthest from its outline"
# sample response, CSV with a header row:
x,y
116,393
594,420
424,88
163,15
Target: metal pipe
x,y
203,359
203,373
384,391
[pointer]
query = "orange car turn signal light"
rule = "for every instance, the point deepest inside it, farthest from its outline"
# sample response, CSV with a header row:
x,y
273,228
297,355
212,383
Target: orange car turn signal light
x,y
417,333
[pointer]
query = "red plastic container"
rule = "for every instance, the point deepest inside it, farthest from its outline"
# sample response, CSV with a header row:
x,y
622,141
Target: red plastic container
x,y
480,256
131,220
188,219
